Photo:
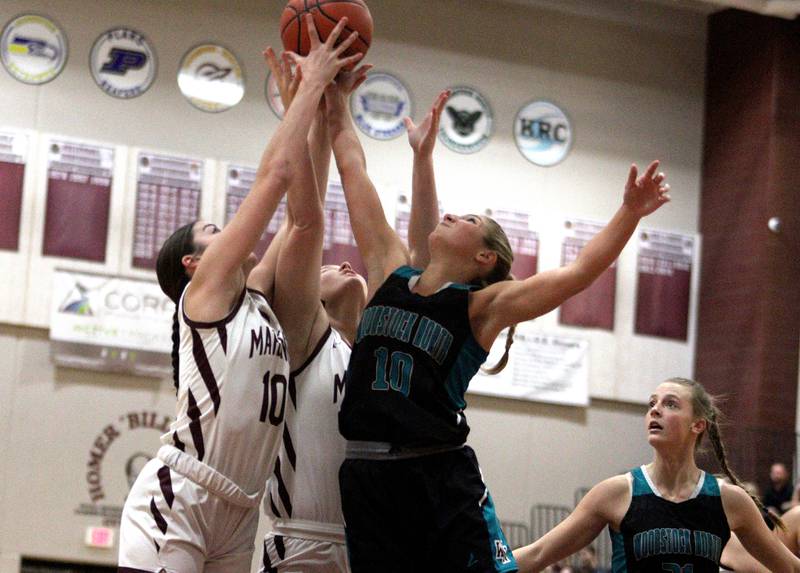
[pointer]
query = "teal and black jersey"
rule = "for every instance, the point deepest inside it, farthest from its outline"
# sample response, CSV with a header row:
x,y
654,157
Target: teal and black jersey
x,y
412,360
660,535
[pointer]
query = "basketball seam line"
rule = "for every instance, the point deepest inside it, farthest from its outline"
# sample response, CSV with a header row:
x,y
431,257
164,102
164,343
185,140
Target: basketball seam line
x,y
335,21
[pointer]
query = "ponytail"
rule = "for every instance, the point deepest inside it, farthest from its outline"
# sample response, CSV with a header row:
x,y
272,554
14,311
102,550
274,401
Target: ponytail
x,y
496,239
715,438
501,364
172,279
176,340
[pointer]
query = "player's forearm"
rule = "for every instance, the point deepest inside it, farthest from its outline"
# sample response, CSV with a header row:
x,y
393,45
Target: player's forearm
x,y
290,139
424,208
319,145
606,246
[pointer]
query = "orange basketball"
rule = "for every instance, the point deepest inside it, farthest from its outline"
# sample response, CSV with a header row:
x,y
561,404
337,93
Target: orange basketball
x,y
326,15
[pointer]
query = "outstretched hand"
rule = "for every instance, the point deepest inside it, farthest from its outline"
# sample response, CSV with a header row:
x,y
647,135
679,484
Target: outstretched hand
x,y
324,59
337,92
422,137
646,193
286,80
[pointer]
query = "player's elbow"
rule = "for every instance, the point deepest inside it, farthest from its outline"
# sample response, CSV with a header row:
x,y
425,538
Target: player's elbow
x,y
309,219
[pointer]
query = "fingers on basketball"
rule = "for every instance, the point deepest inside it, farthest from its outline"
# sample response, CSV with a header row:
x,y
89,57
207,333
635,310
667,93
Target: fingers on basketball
x,y
326,13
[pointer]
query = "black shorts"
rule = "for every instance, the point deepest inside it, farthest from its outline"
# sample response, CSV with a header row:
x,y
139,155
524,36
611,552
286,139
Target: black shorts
x,y
428,513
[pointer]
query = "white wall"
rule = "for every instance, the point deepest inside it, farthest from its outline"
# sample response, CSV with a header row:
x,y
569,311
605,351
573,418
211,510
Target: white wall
x,y
633,88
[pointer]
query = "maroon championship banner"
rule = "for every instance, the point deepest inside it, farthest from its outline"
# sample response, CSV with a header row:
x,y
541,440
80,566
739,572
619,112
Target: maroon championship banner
x,y
339,244
167,197
594,306
13,153
238,182
78,200
524,242
664,287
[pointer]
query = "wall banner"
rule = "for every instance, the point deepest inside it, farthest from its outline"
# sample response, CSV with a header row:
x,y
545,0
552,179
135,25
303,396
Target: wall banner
x,y
78,200
594,306
542,368
168,193
107,323
13,154
664,286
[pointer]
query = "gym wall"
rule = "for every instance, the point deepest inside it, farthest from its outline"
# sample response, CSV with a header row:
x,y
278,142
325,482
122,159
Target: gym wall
x,y
630,79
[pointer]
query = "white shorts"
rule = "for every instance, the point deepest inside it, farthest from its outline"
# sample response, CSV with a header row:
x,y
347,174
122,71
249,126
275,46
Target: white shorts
x,y
173,524
284,554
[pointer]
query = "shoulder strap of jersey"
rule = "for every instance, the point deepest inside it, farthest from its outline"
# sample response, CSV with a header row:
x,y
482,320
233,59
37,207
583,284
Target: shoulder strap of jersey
x,y
406,272
710,485
640,484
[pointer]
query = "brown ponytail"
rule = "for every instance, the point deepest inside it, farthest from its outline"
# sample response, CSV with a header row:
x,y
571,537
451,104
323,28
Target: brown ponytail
x,y
172,279
496,239
703,406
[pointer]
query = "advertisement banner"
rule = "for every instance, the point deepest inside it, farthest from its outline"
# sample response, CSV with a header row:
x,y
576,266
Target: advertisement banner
x,y
111,324
541,367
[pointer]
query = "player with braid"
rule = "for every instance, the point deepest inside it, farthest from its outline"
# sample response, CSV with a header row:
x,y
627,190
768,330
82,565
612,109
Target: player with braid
x,y
195,506
668,515
412,493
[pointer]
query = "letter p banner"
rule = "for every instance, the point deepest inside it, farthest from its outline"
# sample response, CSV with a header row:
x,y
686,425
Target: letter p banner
x,y
121,60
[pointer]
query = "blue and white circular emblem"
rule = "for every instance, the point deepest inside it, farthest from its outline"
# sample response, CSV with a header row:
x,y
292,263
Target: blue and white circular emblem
x,y
543,133
211,78
379,106
122,62
466,123
33,49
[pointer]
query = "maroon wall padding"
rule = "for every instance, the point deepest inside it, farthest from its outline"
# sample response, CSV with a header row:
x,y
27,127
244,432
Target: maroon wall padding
x,y
11,175
76,220
749,307
594,306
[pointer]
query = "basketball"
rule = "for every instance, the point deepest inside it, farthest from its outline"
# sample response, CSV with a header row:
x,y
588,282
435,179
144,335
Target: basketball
x,y
326,15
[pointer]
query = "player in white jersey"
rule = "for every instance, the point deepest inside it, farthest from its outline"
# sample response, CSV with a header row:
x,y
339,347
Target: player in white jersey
x,y
195,507
320,321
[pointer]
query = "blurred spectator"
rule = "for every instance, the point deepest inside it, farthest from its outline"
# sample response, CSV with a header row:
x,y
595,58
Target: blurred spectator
x,y
778,496
587,561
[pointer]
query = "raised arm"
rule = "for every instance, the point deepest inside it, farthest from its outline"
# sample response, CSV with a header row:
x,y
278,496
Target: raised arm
x,y
380,247
745,520
217,282
297,284
424,200
509,302
262,277
603,505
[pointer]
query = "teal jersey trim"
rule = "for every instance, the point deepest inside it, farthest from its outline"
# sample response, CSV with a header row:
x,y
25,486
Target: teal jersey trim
x,y
504,561
467,363
640,485
619,561
710,486
407,272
